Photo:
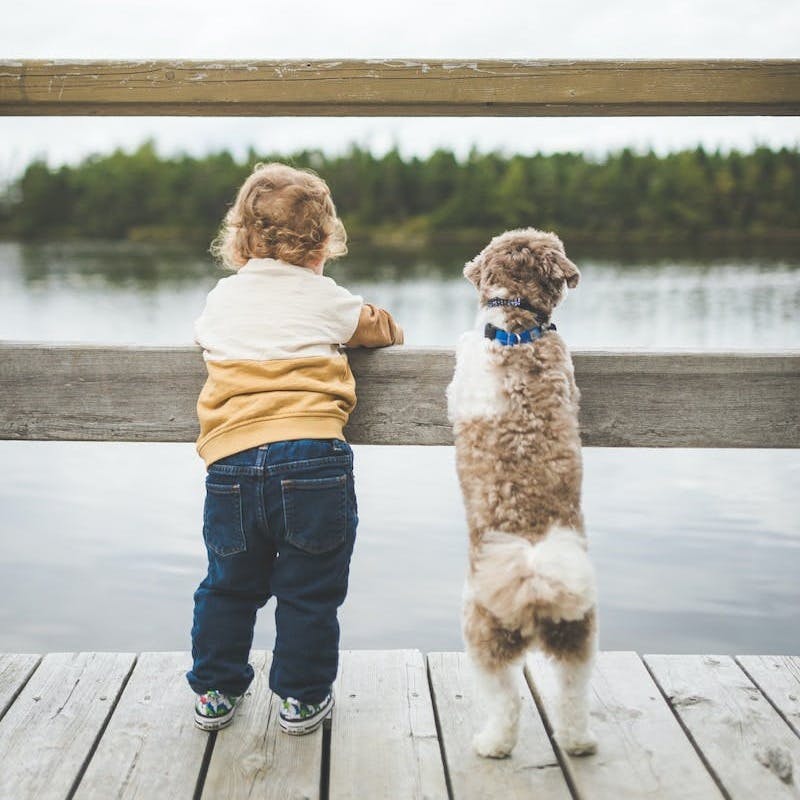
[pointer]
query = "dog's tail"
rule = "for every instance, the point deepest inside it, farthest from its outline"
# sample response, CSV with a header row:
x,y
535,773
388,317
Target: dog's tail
x,y
514,578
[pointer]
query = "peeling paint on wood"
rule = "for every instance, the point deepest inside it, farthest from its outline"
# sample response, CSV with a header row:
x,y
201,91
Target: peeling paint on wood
x,y
389,87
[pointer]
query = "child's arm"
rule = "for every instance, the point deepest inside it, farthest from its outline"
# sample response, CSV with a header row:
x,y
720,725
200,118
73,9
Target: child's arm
x,y
376,328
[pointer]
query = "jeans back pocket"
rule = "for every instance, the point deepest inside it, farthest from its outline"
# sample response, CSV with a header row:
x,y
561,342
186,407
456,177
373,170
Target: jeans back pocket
x,y
315,512
223,529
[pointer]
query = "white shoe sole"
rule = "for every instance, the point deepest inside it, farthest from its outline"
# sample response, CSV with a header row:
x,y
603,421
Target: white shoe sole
x,y
302,727
214,723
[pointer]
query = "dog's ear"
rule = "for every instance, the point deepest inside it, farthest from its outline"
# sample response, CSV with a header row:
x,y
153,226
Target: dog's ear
x,y
571,273
472,271
561,268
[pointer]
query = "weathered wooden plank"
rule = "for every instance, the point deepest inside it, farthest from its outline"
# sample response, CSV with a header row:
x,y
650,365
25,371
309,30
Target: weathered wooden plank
x,y
401,396
151,747
689,399
49,731
749,747
15,669
383,737
642,751
401,87
254,758
99,393
102,393
531,771
778,677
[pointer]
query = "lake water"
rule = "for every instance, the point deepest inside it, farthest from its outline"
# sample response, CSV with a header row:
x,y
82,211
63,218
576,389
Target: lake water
x,y
696,550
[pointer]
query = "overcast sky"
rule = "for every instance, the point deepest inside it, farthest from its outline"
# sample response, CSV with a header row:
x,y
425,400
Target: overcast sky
x,y
210,29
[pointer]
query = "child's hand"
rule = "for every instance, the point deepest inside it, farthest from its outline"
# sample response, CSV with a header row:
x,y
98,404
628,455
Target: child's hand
x,y
376,328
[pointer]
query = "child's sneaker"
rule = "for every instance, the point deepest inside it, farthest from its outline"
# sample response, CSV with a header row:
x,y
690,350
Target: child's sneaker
x,y
299,718
214,710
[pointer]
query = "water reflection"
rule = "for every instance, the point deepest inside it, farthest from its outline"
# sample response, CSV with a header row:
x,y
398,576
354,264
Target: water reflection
x,y
117,264
146,295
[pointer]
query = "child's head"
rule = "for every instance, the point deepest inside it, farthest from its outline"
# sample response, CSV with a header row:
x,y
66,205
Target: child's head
x,y
283,213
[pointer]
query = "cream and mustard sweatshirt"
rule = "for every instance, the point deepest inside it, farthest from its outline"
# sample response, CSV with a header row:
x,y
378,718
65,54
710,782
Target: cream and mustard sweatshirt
x,y
271,337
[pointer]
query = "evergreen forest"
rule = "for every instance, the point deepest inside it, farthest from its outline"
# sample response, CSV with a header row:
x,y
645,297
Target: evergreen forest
x,y
624,197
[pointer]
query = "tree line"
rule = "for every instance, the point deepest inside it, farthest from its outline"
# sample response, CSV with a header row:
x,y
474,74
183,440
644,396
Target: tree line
x,y
625,196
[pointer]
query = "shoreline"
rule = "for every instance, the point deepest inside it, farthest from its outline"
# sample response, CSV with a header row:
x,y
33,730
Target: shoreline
x,y
465,242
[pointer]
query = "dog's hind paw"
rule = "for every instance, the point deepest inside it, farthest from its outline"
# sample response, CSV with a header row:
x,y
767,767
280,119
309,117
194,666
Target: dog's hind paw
x,y
489,744
577,744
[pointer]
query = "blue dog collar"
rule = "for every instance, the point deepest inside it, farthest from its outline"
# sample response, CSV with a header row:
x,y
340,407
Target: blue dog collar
x,y
509,338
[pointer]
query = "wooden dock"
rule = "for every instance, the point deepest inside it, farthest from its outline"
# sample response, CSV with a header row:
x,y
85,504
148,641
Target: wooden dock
x,y
118,725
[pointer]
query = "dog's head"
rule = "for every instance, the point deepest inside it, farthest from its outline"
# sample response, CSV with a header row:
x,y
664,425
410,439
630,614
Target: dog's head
x,y
525,263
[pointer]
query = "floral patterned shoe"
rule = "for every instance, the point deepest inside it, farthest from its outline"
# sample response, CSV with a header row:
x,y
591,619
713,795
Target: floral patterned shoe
x,y
299,718
214,710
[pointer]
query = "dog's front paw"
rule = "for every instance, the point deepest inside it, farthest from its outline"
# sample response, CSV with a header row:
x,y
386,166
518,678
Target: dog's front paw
x,y
577,743
491,743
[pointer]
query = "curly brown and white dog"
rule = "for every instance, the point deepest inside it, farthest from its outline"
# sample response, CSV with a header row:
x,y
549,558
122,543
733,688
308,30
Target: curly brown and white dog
x,y
513,403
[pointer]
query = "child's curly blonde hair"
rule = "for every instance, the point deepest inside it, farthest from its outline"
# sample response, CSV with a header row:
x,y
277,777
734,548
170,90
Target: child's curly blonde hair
x,y
284,213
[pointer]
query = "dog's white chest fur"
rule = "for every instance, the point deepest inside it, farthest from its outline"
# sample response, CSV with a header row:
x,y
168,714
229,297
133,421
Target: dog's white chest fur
x,y
476,391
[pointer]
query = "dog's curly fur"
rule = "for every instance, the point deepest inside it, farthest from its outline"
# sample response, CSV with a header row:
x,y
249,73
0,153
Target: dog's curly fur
x,y
514,411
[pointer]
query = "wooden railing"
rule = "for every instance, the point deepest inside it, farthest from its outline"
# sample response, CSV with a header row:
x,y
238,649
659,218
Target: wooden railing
x,y
629,399
401,88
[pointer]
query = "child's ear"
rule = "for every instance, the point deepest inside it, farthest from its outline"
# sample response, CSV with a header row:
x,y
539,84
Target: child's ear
x,y
472,272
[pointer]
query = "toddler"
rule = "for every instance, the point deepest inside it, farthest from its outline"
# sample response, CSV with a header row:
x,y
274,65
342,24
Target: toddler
x,y
280,509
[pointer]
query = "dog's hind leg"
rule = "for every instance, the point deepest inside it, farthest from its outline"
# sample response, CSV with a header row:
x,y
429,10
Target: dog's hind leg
x,y
573,645
495,655
498,690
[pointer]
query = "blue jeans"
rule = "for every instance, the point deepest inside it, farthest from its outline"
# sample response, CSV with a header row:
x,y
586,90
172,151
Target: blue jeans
x,y
279,520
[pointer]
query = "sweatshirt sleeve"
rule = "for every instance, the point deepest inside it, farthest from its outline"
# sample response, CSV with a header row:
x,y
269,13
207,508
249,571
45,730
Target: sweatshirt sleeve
x,y
375,328
336,310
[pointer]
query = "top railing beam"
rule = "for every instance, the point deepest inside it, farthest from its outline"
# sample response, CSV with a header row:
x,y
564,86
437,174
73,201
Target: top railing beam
x,y
400,88
149,394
